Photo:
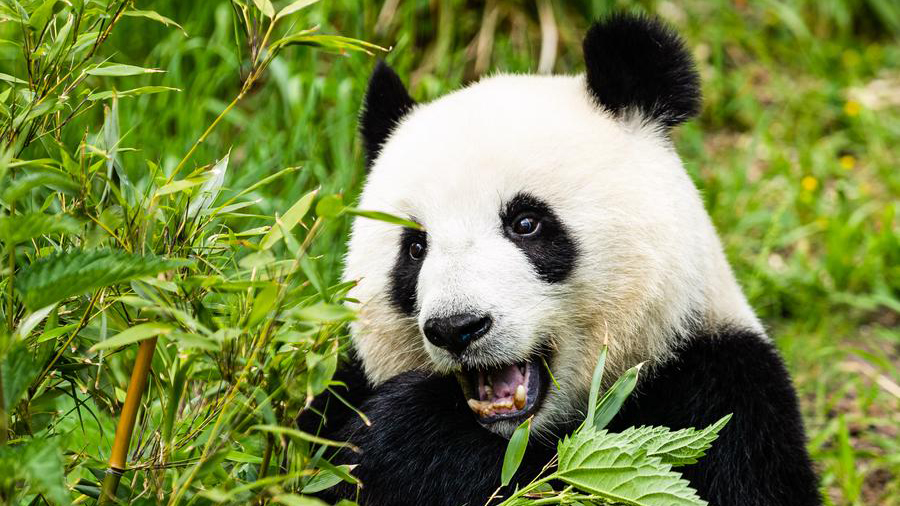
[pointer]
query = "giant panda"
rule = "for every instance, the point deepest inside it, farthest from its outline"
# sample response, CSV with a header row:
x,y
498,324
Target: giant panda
x,y
556,216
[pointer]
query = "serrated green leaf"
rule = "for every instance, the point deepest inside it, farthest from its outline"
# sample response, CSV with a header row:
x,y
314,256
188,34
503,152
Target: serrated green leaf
x,y
21,228
74,272
515,450
596,462
676,448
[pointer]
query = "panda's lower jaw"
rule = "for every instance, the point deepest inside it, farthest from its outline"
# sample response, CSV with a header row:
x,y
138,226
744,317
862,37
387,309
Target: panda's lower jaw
x,y
511,392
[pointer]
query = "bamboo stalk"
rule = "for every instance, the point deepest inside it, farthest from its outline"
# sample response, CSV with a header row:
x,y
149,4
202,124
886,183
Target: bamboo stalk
x,y
137,384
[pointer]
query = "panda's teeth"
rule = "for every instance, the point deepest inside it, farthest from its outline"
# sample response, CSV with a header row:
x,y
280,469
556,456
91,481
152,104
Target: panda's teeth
x,y
488,392
519,398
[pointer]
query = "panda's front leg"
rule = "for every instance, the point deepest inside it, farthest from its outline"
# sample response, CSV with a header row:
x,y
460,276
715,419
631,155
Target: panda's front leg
x,y
424,446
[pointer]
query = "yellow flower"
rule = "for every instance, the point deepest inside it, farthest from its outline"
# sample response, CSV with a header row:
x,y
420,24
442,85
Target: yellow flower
x,y
809,183
847,162
851,108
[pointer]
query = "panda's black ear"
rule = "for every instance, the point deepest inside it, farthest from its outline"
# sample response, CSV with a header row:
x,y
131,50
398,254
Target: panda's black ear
x,y
636,64
386,102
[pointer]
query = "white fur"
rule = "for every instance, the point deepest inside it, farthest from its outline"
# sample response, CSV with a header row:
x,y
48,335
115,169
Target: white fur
x,y
649,259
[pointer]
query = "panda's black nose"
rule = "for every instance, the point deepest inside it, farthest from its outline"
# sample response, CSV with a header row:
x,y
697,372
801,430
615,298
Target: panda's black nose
x,y
455,333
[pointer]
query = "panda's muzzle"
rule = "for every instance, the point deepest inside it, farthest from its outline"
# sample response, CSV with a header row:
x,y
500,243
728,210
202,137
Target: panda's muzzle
x,y
510,392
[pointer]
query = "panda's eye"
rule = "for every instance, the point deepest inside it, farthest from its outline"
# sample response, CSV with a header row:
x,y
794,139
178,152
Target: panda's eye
x,y
416,250
526,225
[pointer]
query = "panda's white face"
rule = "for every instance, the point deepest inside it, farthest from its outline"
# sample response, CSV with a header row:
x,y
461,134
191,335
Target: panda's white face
x,y
549,227
557,217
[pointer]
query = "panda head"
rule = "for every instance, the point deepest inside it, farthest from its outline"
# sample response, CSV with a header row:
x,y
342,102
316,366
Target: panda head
x,y
556,217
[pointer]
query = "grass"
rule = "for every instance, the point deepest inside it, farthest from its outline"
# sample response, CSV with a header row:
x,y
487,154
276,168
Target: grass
x,y
795,153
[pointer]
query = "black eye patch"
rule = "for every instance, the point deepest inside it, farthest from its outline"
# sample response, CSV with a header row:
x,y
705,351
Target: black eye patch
x,y
404,277
550,248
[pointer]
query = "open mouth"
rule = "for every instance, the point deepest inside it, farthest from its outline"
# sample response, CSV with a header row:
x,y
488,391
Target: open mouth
x,y
510,392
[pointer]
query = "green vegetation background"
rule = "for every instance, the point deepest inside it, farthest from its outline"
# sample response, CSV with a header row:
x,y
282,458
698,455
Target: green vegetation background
x,y
796,154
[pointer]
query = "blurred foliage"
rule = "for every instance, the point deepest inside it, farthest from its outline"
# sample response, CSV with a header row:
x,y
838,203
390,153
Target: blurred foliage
x,y
795,153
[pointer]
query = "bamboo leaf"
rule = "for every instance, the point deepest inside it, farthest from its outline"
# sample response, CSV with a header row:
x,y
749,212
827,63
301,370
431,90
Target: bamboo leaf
x,y
294,7
596,383
143,90
614,397
385,217
515,450
120,70
155,16
289,220
303,436
266,7
134,334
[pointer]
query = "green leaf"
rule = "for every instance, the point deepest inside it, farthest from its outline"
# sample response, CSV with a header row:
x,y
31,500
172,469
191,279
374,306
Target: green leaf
x,y
596,382
119,70
303,436
596,462
320,369
289,220
325,313
334,43
385,217
294,7
134,334
515,450
11,79
325,479
143,90
74,272
179,186
614,397
20,366
212,184
298,500
676,448
20,228
40,463
262,304
41,15
24,184
155,16
266,7
330,206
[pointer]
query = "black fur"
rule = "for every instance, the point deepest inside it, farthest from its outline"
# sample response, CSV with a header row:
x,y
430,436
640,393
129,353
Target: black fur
x,y
424,445
635,62
551,251
405,274
385,104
